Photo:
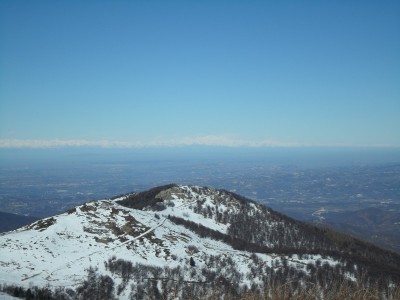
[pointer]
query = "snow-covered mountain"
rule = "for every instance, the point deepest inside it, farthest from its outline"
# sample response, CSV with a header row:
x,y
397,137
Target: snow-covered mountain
x,y
181,241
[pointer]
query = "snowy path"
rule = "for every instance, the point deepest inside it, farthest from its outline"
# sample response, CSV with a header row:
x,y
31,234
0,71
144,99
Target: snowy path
x,y
68,264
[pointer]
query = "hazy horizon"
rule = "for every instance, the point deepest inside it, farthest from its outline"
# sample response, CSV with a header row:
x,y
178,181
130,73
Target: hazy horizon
x,y
302,157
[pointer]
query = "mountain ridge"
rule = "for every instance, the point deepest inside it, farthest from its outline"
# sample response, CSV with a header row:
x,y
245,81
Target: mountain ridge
x,y
188,231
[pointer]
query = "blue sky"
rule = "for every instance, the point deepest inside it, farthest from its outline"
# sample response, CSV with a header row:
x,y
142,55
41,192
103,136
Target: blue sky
x,y
229,73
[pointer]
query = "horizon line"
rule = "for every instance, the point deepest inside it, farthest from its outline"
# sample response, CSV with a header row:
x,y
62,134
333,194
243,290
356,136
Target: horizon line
x,y
206,141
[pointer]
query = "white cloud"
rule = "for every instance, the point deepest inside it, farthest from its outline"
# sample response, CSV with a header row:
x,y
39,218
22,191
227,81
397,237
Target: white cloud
x,y
212,140
58,143
209,140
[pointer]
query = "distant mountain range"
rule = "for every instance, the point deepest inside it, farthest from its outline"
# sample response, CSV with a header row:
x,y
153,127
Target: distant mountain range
x,y
189,242
12,221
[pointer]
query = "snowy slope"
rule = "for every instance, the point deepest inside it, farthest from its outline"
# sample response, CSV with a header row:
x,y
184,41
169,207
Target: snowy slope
x,y
4,296
57,251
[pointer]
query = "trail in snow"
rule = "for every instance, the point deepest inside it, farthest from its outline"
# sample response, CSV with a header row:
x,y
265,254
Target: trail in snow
x,y
98,251
68,264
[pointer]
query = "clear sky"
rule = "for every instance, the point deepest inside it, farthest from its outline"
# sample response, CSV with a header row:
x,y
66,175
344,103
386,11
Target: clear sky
x,y
236,73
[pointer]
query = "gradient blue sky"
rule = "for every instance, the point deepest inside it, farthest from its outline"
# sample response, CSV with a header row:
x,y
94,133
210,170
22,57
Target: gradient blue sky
x,y
236,73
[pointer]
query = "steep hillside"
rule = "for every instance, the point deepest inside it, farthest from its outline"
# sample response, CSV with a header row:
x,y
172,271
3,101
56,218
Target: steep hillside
x,y
186,242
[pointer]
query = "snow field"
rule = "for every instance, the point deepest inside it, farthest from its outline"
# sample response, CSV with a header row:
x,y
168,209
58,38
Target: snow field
x,y
59,254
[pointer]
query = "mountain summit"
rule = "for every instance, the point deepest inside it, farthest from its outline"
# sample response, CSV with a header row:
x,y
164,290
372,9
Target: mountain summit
x,y
187,242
